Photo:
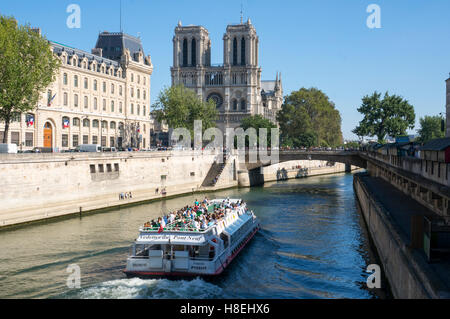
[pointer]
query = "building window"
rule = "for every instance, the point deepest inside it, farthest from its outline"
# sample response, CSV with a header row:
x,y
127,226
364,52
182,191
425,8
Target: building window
x,y
112,106
16,117
86,83
120,107
75,140
86,104
185,52
104,105
103,141
138,93
243,51
235,52
75,81
138,110
116,167
95,85
139,79
94,139
111,142
143,111
120,90
65,140
86,124
104,87
95,103
104,124
29,139
101,168
144,93
132,92
92,167
75,100
243,105
109,168
112,88
235,105
65,79
132,108
112,125
95,124
49,98
194,52
66,99
85,139
15,138
76,121
132,77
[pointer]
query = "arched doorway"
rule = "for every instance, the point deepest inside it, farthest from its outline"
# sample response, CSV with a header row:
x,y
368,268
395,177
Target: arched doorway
x,y
48,133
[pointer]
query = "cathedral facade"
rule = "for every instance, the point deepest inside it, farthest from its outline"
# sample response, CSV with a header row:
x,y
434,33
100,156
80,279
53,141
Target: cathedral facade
x,y
235,86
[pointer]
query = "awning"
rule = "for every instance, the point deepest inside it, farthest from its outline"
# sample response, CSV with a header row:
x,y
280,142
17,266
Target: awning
x,y
230,230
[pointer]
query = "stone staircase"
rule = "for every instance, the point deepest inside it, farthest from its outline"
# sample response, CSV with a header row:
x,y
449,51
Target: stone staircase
x,y
214,173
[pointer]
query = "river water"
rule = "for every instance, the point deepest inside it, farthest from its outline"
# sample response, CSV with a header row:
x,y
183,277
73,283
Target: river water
x,y
313,244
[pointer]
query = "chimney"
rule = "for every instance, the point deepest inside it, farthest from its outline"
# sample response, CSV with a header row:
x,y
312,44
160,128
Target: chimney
x,y
97,51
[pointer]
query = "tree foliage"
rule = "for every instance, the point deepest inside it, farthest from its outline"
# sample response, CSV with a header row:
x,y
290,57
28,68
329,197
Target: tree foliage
x,y
179,107
27,67
308,118
258,122
391,115
430,128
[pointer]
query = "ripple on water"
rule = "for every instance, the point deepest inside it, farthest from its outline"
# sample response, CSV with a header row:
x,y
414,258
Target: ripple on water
x,y
136,288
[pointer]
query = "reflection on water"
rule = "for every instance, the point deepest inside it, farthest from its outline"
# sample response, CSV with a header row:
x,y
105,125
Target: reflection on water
x,y
311,245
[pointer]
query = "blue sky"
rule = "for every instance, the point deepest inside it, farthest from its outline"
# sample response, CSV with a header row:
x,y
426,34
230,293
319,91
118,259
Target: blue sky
x,y
314,43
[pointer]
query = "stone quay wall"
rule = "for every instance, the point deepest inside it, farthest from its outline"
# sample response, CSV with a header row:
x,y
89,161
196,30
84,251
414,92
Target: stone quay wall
x,y
409,276
41,186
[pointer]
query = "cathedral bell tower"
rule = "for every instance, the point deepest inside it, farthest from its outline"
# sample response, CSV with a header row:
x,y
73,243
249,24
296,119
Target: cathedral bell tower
x,y
241,45
192,47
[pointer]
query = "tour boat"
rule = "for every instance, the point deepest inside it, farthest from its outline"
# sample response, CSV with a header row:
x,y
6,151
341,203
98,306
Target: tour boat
x,y
187,250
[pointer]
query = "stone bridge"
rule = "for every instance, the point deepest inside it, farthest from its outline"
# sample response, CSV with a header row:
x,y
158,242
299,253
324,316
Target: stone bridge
x,y
345,157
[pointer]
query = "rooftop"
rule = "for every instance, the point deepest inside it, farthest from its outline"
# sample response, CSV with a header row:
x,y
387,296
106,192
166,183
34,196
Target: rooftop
x,y
58,48
439,144
113,44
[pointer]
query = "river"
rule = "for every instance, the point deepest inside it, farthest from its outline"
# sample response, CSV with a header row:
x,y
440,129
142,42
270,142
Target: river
x,y
313,244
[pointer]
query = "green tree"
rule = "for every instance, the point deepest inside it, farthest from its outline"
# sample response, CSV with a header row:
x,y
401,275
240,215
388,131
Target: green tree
x,y
257,122
27,67
179,107
430,128
309,118
391,115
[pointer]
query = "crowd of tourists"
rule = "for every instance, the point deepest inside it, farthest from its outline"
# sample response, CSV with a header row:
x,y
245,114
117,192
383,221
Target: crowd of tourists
x,y
198,217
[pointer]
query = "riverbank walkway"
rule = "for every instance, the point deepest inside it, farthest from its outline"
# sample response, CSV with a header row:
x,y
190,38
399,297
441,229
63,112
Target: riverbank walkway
x,y
401,208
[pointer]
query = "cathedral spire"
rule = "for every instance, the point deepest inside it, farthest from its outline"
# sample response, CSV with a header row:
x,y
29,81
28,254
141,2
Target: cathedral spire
x,y
242,14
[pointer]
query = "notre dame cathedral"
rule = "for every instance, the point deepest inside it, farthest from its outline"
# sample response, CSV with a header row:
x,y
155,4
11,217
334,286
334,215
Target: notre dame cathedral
x,y
235,86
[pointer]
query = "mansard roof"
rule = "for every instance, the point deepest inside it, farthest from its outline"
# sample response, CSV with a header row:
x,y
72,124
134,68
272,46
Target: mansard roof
x,y
114,44
59,48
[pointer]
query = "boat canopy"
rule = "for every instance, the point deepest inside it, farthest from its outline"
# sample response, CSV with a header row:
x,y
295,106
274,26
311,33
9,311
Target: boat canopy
x,y
236,225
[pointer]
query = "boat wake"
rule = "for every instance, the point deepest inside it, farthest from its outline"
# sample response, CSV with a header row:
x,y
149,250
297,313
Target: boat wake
x,y
136,288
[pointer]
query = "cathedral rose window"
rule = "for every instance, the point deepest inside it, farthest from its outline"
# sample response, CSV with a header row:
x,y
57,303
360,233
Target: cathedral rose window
x,y
217,98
